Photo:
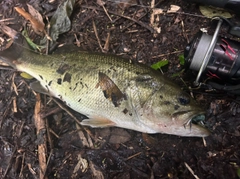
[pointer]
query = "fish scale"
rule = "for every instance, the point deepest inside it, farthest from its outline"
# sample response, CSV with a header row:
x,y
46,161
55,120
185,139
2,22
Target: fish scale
x,y
110,90
89,66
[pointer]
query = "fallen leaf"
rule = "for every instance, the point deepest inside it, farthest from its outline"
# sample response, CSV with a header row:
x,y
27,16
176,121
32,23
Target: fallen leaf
x,y
119,136
26,75
210,12
35,14
81,165
148,139
173,8
9,31
37,26
60,22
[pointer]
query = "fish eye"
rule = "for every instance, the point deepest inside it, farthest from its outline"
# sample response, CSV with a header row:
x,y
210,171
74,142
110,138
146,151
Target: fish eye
x,y
184,99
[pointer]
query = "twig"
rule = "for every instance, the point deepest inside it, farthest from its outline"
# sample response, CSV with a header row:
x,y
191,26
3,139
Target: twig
x,y
49,157
67,111
32,171
106,46
50,142
152,14
86,141
48,39
22,166
10,162
105,10
133,22
133,156
190,170
126,17
151,7
42,147
78,125
184,32
48,134
8,19
13,84
152,174
96,34
3,67
204,142
96,172
78,43
14,104
52,111
170,53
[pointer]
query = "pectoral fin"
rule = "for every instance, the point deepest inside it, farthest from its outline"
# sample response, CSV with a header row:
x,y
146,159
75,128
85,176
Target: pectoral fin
x,y
98,122
36,86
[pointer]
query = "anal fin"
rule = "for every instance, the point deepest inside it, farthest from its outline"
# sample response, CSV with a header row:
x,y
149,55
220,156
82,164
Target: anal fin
x,y
97,121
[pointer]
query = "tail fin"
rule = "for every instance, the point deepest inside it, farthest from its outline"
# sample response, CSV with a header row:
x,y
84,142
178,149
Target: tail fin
x,y
14,51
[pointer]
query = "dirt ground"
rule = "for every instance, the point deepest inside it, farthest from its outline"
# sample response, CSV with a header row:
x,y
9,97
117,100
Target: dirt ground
x,y
113,152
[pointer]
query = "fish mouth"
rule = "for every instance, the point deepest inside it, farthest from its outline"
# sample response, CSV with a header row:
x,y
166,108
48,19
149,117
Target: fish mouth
x,y
193,120
194,117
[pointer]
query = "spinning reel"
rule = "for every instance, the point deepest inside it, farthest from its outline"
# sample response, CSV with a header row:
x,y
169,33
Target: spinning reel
x,y
216,57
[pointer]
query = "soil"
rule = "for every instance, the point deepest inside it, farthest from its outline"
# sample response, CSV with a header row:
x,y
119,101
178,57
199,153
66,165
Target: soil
x,y
70,151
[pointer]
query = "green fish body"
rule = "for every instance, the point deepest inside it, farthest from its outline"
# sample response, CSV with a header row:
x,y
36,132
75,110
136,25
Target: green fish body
x,y
110,91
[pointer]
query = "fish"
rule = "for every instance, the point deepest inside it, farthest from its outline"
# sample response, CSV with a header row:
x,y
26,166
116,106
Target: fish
x,y
110,91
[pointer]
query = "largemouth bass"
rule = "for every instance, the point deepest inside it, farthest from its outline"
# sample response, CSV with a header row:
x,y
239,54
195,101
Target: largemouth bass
x,y
110,91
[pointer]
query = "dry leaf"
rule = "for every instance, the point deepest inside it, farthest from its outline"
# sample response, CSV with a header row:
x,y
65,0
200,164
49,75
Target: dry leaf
x,y
81,165
210,12
119,136
9,31
173,9
60,21
37,26
35,14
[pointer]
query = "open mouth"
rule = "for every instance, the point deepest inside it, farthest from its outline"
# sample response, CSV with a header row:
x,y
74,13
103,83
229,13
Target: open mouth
x,y
195,118
198,119
191,120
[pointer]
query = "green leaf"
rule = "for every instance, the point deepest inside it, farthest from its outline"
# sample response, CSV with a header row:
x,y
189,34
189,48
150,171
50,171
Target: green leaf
x,y
26,76
238,172
181,59
159,64
31,43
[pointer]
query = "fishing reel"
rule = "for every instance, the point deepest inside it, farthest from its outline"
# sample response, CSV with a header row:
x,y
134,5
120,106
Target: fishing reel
x,y
216,57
